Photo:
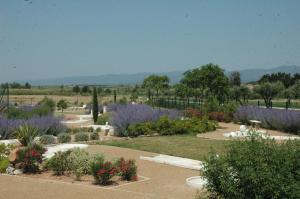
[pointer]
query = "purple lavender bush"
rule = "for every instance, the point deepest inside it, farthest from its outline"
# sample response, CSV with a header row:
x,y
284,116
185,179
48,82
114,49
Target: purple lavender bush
x,y
125,115
283,120
45,125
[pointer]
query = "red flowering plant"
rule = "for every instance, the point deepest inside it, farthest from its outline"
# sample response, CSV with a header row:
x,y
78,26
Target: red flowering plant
x,y
127,169
103,172
30,158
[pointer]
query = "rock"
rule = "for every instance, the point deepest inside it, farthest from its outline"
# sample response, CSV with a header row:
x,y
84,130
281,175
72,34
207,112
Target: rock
x,y
17,172
13,155
10,170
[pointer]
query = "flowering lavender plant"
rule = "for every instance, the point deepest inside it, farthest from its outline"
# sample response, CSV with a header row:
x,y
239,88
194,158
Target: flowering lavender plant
x,y
45,125
284,120
125,115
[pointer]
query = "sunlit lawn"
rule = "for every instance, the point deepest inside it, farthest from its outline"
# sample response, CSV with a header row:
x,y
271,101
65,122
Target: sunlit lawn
x,y
178,145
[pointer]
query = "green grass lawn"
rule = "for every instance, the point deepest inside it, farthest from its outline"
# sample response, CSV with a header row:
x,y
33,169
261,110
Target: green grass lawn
x,y
178,145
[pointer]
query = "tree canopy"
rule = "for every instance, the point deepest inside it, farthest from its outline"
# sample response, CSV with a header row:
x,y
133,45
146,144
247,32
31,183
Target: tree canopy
x,y
156,82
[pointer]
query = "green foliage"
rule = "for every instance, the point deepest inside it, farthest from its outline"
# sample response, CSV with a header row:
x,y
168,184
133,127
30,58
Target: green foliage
x,y
30,158
103,119
167,126
81,137
127,169
95,105
94,136
59,163
62,104
210,78
63,138
255,168
268,91
211,104
156,82
26,134
47,139
79,163
4,163
49,103
235,78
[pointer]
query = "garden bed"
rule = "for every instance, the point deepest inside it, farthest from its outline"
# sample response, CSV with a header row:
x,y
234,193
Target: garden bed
x,y
85,180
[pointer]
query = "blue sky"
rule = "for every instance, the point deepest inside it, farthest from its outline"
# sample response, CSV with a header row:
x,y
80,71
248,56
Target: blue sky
x,y
57,38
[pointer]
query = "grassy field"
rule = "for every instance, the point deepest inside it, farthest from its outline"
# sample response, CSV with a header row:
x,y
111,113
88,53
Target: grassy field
x,y
177,145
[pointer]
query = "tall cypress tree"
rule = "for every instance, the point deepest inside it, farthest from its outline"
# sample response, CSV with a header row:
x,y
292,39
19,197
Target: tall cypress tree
x,y
95,105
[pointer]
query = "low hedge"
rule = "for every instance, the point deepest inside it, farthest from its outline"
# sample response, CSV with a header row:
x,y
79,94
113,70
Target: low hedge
x,y
167,126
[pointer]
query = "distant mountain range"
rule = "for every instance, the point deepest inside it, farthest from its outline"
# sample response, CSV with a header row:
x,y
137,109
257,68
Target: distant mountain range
x,y
247,75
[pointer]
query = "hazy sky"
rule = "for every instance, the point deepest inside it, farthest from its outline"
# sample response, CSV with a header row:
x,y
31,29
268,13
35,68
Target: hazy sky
x,y
56,38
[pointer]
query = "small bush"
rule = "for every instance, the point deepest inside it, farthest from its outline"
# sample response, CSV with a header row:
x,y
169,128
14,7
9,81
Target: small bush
x,y
63,138
79,163
102,171
193,112
167,126
86,129
4,163
255,168
127,169
47,139
147,128
103,119
217,116
59,163
81,137
94,136
30,158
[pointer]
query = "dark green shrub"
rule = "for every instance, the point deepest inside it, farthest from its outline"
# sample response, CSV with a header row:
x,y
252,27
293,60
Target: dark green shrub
x,y
147,128
59,163
47,139
167,126
103,172
94,136
63,138
255,168
85,129
81,137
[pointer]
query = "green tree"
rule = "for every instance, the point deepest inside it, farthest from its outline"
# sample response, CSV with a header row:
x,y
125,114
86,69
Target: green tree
x,y
62,104
27,85
209,78
95,105
245,93
156,82
76,89
85,89
47,102
235,78
268,91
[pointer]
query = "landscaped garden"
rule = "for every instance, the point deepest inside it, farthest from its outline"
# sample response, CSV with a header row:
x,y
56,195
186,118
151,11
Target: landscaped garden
x,y
50,141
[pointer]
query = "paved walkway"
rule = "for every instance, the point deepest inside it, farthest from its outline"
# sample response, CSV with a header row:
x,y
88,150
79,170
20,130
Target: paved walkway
x,y
231,127
164,182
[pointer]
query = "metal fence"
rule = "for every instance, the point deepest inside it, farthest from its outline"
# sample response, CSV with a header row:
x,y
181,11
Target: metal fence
x,y
177,103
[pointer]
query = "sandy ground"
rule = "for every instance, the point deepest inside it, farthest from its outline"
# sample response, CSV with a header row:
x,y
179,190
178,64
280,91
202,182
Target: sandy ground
x,y
229,127
163,182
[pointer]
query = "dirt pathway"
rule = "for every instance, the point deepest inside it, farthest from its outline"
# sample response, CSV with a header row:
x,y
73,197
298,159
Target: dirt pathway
x,y
163,182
